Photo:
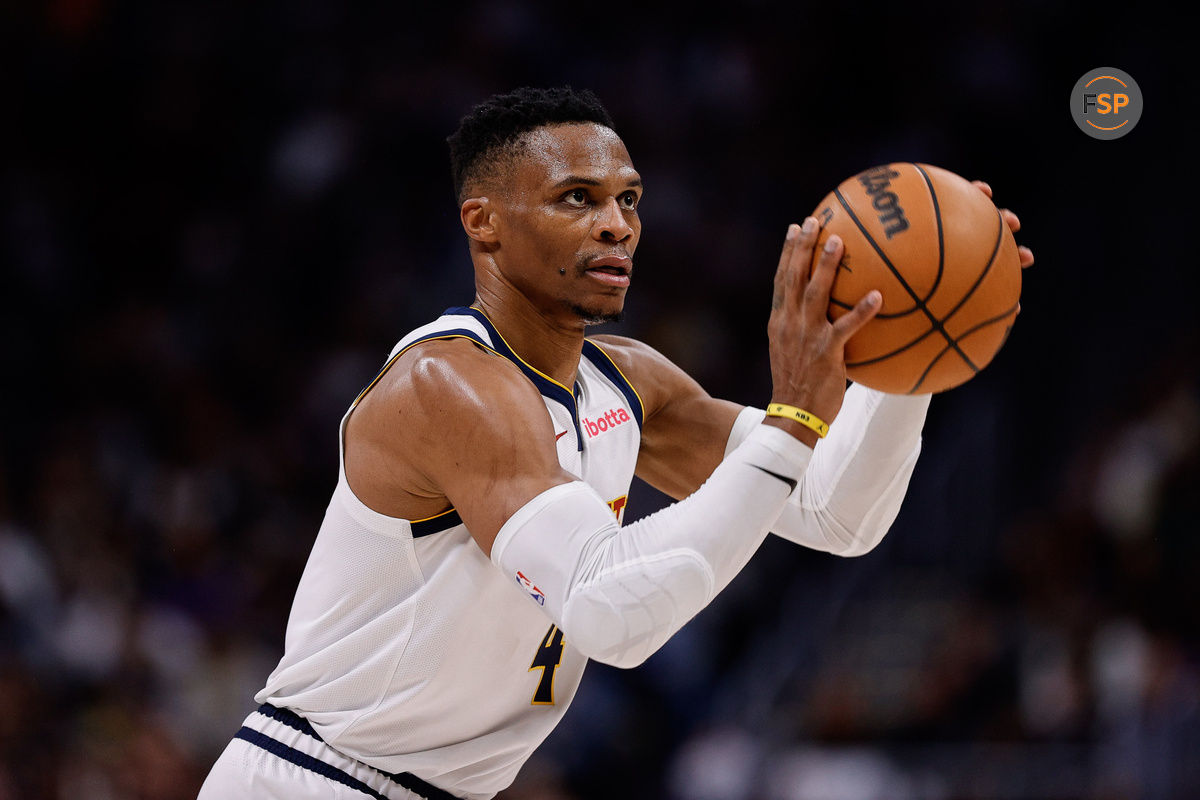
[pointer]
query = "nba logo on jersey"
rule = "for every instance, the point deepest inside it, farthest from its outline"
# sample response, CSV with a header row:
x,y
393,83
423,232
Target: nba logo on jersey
x,y
534,591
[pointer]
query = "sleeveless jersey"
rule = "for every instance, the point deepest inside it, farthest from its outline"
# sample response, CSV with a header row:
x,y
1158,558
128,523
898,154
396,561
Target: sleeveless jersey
x,y
406,648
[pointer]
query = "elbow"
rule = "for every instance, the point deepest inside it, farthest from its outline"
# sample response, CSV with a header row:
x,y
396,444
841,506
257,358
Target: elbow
x,y
619,658
849,543
622,622
606,634
866,531
859,548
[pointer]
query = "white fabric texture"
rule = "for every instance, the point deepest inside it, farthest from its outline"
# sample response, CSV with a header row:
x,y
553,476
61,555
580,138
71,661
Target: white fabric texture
x,y
619,593
854,487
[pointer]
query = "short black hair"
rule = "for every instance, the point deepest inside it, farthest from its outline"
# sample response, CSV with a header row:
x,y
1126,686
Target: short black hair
x,y
491,132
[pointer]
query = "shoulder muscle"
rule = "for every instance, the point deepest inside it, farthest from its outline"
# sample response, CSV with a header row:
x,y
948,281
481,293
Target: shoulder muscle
x,y
455,424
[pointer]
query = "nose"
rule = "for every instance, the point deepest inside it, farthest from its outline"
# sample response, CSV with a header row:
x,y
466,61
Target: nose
x,y
611,224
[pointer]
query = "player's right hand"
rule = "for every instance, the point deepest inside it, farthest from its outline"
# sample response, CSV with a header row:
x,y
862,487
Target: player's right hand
x,y
808,364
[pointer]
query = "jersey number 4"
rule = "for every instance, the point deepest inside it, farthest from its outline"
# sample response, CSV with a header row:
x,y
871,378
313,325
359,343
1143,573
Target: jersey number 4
x,y
547,659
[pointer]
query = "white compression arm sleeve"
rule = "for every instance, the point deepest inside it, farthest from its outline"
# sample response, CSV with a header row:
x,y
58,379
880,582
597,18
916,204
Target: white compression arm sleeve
x,y
619,593
851,492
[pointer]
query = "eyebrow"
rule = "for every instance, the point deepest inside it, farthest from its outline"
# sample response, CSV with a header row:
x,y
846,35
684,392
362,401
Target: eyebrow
x,y
577,180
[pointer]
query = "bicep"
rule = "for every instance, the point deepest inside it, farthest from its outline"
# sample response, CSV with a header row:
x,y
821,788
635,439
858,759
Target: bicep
x,y
685,441
480,435
490,471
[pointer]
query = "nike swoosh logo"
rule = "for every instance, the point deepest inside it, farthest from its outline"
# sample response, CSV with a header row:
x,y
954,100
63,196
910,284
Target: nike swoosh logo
x,y
791,483
560,435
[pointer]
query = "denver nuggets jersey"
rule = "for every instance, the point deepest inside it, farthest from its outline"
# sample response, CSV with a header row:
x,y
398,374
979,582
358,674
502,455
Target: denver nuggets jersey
x,y
406,648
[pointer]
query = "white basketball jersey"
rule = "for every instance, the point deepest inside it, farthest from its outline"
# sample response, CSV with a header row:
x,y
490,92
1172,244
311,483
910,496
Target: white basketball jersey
x,y
406,648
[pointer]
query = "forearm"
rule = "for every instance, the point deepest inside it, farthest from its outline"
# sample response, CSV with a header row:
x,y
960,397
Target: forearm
x,y
859,473
619,593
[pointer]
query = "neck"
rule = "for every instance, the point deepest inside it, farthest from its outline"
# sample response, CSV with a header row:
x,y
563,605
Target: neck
x,y
548,344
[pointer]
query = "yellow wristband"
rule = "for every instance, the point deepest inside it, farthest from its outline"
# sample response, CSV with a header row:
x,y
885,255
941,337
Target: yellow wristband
x,y
800,415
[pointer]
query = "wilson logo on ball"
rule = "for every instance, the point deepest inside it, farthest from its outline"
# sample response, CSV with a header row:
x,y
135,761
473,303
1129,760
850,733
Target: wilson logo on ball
x,y
878,182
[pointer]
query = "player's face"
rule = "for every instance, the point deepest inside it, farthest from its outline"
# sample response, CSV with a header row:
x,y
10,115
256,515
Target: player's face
x,y
572,206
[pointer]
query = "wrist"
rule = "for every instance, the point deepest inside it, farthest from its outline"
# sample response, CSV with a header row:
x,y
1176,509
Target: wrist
x,y
804,434
801,417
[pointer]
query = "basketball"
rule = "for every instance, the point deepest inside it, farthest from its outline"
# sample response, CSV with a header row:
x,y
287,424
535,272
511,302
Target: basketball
x,y
946,264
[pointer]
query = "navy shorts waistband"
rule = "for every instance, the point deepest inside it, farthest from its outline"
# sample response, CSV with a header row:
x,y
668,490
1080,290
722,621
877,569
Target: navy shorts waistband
x,y
293,720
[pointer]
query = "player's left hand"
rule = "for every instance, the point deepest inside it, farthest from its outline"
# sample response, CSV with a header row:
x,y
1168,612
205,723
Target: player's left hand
x,y
1014,224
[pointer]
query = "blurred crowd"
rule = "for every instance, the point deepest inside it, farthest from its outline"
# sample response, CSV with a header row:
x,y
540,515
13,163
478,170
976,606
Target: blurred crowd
x,y
216,218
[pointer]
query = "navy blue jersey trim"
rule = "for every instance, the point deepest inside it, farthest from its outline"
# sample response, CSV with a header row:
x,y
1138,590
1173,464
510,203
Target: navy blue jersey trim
x,y
281,750
442,522
547,387
289,718
606,365
301,759
450,334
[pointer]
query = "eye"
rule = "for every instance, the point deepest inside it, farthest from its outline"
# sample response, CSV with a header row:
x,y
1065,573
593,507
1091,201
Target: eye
x,y
629,201
576,197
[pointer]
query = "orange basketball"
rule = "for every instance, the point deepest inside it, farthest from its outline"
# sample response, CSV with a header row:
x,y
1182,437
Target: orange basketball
x,y
937,249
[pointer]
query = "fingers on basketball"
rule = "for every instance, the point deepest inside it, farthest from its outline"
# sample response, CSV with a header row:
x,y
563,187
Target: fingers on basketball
x,y
943,257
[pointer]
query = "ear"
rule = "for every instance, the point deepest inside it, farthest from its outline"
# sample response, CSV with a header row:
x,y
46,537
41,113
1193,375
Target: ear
x,y
478,215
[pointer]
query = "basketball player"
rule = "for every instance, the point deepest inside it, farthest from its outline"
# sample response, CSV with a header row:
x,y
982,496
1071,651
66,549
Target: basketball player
x,y
472,558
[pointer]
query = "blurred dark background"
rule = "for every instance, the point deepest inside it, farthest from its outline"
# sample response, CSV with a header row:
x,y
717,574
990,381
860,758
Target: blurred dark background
x,y
217,217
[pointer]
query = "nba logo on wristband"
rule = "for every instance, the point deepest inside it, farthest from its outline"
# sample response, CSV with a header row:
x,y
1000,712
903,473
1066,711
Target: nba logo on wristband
x,y
534,591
